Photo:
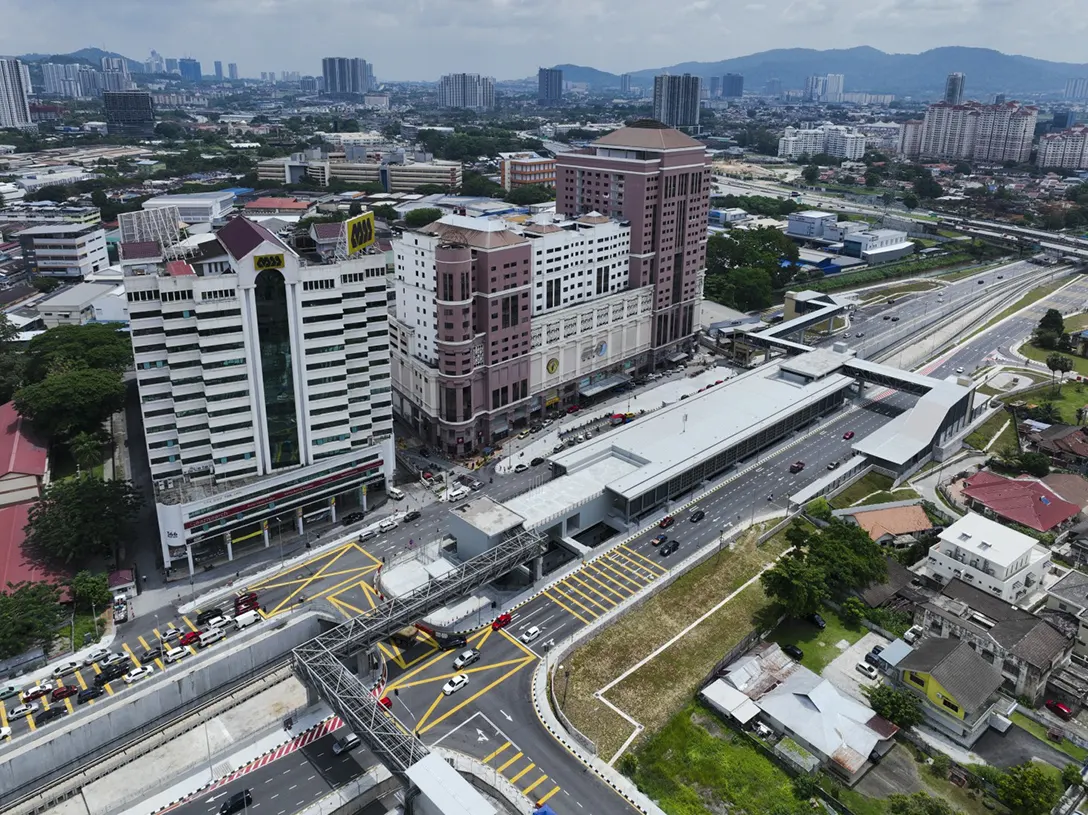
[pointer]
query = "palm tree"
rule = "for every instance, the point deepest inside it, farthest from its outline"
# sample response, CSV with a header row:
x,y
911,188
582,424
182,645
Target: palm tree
x,y
86,449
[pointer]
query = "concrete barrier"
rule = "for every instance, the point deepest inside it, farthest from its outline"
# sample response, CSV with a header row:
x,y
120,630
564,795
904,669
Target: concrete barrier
x,y
487,779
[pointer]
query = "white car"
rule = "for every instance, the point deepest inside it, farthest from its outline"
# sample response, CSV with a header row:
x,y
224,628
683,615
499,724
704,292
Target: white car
x,y
216,622
959,370
65,669
23,710
455,684
97,655
521,468
531,634
5,732
866,670
137,674
388,525
113,658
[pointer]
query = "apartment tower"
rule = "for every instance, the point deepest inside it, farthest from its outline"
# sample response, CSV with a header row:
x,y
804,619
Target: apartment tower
x,y
677,100
953,88
549,86
14,107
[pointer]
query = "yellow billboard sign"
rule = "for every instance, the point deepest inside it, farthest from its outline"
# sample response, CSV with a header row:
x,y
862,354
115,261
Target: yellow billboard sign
x,y
360,231
268,262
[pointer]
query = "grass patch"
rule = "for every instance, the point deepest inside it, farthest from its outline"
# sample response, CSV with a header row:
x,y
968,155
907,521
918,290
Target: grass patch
x,y
887,497
84,624
1006,438
1080,364
1076,753
873,482
1067,402
981,435
819,646
62,465
653,694
988,390
1076,322
1033,296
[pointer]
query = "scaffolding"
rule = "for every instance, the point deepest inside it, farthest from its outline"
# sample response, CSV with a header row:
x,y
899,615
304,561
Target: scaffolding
x,y
160,225
322,662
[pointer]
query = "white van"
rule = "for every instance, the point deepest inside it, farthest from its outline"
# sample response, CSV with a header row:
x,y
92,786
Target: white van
x,y
457,493
174,654
210,636
246,618
395,494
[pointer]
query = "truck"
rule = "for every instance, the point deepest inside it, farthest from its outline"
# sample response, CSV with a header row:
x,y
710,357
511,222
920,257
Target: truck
x,y
405,637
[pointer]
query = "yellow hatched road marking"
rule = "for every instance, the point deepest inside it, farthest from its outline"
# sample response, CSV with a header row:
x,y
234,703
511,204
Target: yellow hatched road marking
x,y
596,591
641,556
642,572
189,623
589,575
535,784
503,747
476,695
582,606
430,710
502,767
589,597
517,777
626,578
550,793
565,608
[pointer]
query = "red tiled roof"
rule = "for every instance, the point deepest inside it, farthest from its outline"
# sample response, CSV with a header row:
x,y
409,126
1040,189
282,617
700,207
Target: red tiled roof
x,y
278,203
241,236
15,565
19,452
328,232
1021,500
179,268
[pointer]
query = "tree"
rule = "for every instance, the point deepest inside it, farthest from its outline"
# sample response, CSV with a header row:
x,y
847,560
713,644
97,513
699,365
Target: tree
x,y
86,449
29,616
811,174
479,185
90,591
872,179
1052,321
529,194
819,508
1071,776
910,201
386,212
1060,364
82,519
1028,789
925,186
804,787
918,803
1036,464
421,217
355,208
900,707
852,610
848,557
798,585
73,401
95,345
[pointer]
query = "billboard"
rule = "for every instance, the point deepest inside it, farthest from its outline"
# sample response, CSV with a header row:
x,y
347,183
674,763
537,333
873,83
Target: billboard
x,y
360,231
268,262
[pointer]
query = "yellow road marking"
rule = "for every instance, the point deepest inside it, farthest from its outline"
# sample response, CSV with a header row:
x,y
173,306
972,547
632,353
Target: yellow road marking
x,y
399,681
641,556
623,578
487,633
68,704
502,767
535,784
519,644
328,591
590,575
30,721
430,710
455,672
391,656
642,571
544,800
396,683
320,573
189,623
265,583
582,606
503,747
476,695
3,716
595,593
515,779
131,656
565,608
143,642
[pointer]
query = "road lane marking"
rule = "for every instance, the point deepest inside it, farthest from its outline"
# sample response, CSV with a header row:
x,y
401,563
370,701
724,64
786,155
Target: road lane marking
x,y
430,710
319,574
535,784
475,696
132,656
550,793
517,777
143,642
596,593
643,557
82,682
603,586
572,600
564,607
189,623
502,767
499,750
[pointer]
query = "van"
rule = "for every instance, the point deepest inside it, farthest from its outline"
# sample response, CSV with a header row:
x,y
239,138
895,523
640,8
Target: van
x,y
174,654
210,636
349,742
457,493
395,494
245,619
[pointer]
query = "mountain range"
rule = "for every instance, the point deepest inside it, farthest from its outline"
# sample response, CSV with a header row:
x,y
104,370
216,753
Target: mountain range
x,y
868,69
89,56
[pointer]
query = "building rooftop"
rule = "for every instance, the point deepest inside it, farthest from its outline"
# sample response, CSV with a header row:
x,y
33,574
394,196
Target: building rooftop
x,y
78,296
1072,588
179,268
487,515
649,136
482,233
20,450
1023,500
996,542
969,678
279,203
58,229
893,521
241,236
190,197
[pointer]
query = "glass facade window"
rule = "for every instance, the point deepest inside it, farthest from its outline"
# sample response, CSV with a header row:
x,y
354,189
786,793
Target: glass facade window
x,y
277,373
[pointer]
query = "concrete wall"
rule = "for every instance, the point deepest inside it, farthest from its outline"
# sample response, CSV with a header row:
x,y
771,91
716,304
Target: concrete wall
x,y
115,721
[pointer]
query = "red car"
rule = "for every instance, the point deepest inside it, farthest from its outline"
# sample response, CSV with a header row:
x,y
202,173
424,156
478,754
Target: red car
x,y
849,434
1059,709
245,599
666,522
241,606
385,701
63,692
36,693
190,638
501,621
574,408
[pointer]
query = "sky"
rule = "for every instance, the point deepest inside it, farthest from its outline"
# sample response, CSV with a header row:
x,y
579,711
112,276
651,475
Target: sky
x,y
509,39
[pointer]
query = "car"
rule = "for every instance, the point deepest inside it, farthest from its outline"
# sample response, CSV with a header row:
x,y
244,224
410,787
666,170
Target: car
x,y
7,691
696,516
210,613
536,461
1001,277
834,465
466,658
87,694
385,702
63,692
887,316
114,658
521,468
23,710
136,674
451,641
387,525
866,670
152,653
574,408
873,658
190,637
849,434
981,282
240,607
37,691
412,515
47,716
959,370
659,539
423,451
669,548
455,684
110,673
877,650
558,448
352,518
666,522
236,803
547,422
817,621
1059,709
793,651
531,634
860,334
64,670
588,436
524,434
895,319
170,634
501,621
97,655
797,466
5,732
216,622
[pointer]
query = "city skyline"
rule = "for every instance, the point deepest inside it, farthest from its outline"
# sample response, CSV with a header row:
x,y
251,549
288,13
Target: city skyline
x,y
422,42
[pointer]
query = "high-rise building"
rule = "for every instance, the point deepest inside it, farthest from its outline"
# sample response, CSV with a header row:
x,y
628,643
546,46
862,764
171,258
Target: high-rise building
x,y
953,88
232,70
772,87
833,88
949,131
815,88
910,138
1076,88
347,76
549,86
308,84
116,81
677,100
1064,119
129,113
190,69
625,83
732,86
61,80
658,179
990,133
119,64
1066,150
172,65
280,409
218,69
14,106
715,90
155,64
470,91
834,140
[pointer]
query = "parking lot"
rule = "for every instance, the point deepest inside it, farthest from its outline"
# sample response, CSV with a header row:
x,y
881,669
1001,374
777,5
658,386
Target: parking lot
x,y
842,673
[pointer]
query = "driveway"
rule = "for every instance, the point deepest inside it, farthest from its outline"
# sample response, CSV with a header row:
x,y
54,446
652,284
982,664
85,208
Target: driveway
x,y
841,672
1015,746
896,773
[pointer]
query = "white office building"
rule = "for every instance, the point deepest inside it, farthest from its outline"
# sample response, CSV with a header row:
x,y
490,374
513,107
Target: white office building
x,y
989,556
14,88
470,91
835,140
64,249
1067,149
265,390
198,207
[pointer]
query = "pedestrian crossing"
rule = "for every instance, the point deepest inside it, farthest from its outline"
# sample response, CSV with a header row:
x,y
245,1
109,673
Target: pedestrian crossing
x,y
522,772
604,583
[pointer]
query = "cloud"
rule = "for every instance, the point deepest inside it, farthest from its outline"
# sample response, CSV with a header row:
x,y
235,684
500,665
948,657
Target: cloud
x,y
421,39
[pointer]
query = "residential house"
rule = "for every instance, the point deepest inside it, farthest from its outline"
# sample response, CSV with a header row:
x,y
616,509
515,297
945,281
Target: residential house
x,y
1066,445
844,734
1025,648
957,687
1070,595
892,590
894,526
1025,501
